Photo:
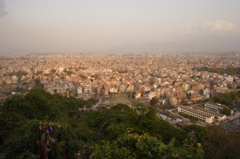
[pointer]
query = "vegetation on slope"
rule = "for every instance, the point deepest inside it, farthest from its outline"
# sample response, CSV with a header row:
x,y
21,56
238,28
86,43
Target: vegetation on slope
x,y
229,70
41,125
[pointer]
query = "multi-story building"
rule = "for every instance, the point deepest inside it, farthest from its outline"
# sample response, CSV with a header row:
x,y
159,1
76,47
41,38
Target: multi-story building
x,y
217,116
212,106
196,113
202,114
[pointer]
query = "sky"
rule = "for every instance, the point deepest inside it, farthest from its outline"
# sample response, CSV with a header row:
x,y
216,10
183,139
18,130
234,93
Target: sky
x,y
59,26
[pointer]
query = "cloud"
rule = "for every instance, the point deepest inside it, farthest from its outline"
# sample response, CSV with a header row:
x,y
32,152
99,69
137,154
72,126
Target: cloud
x,y
219,25
192,28
206,27
3,12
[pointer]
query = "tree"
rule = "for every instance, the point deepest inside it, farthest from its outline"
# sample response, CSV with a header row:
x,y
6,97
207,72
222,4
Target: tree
x,y
226,111
21,141
118,132
20,106
219,144
154,101
135,146
38,83
53,70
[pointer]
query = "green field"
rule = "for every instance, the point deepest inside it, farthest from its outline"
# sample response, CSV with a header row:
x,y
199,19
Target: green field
x,y
117,98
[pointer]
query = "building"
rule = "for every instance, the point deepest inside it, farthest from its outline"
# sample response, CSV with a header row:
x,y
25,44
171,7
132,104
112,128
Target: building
x,y
196,113
228,78
217,116
212,106
202,114
137,95
130,88
173,101
79,90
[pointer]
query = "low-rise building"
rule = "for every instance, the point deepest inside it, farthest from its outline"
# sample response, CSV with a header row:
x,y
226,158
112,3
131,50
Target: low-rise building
x,y
202,113
196,113
213,106
217,116
137,95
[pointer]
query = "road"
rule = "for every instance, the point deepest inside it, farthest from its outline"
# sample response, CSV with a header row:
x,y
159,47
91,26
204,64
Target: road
x,y
236,115
93,107
99,102
177,115
131,94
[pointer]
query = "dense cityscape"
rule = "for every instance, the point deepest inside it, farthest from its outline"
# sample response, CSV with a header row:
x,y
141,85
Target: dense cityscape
x,y
158,79
171,78
119,79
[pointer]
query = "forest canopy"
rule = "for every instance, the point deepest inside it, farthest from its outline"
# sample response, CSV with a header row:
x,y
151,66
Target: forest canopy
x,y
42,125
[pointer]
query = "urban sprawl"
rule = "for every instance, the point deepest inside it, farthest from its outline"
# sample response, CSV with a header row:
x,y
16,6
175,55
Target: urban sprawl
x,y
170,79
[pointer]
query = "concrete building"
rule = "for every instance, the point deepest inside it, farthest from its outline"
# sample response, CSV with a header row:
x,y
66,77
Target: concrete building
x,y
137,95
79,90
217,116
173,101
130,88
229,78
196,113
213,106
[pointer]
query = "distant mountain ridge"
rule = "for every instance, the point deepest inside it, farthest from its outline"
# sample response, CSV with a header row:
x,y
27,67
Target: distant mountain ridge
x,y
206,43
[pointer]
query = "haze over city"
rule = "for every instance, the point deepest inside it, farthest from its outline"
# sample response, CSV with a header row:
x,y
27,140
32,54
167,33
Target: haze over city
x,y
59,26
116,79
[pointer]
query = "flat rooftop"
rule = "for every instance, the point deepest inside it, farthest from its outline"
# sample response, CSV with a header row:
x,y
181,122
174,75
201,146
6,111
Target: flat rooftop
x,y
208,111
192,109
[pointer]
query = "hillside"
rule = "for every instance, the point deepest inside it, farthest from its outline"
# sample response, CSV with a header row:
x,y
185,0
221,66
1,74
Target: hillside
x,y
41,125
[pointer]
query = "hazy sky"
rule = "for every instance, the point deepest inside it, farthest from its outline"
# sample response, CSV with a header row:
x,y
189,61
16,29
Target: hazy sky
x,y
29,26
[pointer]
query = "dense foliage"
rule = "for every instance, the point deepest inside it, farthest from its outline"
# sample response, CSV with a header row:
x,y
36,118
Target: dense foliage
x,y
229,70
41,125
154,101
230,99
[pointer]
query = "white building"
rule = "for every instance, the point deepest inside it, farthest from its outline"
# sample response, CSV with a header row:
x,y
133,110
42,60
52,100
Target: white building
x,y
197,114
202,114
228,78
79,90
217,116
212,106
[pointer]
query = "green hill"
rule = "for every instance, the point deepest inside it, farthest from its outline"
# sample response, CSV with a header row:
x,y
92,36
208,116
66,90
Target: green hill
x,y
41,125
